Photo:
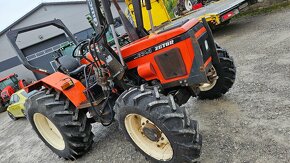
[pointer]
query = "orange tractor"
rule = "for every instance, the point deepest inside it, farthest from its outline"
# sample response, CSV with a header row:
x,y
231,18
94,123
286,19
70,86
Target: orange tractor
x,y
9,85
141,86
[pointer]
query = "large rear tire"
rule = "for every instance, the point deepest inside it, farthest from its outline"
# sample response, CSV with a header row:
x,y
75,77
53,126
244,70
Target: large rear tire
x,y
2,109
226,72
157,127
63,128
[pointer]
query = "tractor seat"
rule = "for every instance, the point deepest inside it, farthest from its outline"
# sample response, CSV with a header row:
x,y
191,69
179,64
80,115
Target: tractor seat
x,y
77,71
70,65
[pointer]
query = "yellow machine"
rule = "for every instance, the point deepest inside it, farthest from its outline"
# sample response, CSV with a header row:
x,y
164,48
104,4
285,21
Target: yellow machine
x,y
216,13
158,11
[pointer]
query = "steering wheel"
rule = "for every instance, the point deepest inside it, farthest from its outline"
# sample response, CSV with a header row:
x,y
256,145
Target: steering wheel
x,y
81,50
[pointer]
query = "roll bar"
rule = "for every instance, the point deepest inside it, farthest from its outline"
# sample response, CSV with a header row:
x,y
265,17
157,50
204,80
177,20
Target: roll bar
x,y
13,34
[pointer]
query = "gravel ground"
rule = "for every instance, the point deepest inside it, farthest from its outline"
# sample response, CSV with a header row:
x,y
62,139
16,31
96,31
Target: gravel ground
x,y
250,124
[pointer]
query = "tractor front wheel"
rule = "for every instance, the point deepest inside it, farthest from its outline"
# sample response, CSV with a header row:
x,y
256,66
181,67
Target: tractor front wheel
x,y
221,77
157,126
63,128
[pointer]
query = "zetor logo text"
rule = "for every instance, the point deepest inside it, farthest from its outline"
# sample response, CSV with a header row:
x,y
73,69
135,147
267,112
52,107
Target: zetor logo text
x,y
164,45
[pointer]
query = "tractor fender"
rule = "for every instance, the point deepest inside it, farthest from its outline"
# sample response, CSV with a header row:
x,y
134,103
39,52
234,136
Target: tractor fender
x,y
74,93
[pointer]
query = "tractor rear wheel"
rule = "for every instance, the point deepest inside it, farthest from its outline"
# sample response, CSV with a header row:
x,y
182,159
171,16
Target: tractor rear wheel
x,y
157,126
2,108
223,77
63,128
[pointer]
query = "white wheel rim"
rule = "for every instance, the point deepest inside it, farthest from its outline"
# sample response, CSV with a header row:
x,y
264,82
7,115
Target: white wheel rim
x,y
160,150
175,14
188,5
48,131
209,86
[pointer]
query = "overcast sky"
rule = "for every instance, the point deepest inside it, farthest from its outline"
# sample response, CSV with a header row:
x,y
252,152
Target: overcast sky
x,y
11,10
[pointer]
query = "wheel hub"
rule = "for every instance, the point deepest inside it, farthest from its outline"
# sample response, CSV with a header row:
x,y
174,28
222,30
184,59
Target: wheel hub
x,y
188,5
49,131
212,77
148,137
151,132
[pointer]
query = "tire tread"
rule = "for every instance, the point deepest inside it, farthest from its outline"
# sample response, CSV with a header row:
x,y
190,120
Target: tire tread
x,y
159,108
72,123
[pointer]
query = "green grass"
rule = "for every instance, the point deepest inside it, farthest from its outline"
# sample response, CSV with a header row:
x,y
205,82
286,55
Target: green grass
x,y
170,4
265,10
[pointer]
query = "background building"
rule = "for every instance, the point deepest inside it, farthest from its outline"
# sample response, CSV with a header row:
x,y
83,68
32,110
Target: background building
x,y
73,15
